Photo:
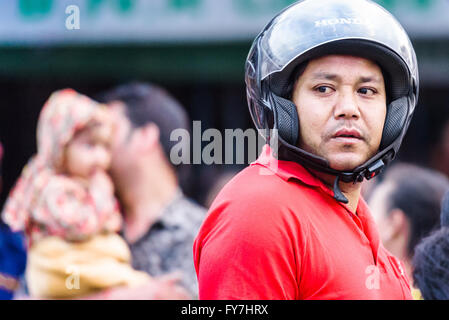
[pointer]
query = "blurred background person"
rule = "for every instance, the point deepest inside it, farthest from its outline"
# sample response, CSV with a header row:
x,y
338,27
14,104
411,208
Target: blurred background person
x,y
431,260
440,153
431,266
160,222
12,255
406,207
64,203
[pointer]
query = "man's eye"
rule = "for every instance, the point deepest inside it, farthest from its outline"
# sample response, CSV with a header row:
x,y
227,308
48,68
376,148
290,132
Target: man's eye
x,y
323,89
367,91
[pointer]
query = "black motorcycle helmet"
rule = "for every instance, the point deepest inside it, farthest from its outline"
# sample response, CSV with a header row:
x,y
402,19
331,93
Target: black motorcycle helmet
x,y
310,29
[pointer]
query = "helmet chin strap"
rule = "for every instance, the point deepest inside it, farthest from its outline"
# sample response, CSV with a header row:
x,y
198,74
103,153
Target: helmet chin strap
x,y
338,195
369,173
309,161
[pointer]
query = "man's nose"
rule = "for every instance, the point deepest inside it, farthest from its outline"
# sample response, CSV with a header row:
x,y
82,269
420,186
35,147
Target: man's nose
x,y
347,106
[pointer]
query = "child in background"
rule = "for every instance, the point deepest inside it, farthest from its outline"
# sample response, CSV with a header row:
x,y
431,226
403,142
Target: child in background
x,y
64,202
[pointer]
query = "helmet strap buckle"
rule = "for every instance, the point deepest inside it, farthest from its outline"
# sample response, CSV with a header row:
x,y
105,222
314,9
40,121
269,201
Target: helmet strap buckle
x,y
374,169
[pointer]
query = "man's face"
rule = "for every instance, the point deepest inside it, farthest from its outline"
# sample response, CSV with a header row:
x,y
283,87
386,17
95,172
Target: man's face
x,y
123,151
341,103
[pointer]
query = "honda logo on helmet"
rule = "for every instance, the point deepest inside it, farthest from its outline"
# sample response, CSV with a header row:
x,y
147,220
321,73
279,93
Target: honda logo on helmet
x,y
334,21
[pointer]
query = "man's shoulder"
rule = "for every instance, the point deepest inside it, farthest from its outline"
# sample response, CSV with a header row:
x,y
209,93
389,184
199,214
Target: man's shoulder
x,y
192,209
256,183
254,195
257,206
184,212
184,203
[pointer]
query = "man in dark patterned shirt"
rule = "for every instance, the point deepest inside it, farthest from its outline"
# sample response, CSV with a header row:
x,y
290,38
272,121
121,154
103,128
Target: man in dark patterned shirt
x,y
167,246
160,223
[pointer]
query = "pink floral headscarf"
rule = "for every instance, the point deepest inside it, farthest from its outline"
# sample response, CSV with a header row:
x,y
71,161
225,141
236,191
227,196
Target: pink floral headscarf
x,y
64,113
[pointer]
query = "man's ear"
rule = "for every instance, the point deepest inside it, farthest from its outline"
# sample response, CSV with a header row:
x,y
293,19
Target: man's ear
x,y
148,136
398,223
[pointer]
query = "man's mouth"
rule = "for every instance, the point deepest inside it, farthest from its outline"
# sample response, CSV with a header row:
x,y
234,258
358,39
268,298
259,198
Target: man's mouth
x,y
348,134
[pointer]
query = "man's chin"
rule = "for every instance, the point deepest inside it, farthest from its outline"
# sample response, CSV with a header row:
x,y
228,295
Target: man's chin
x,y
345,164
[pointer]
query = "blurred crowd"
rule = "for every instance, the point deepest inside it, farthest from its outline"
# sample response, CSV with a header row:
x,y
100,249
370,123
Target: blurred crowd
x,y
100,212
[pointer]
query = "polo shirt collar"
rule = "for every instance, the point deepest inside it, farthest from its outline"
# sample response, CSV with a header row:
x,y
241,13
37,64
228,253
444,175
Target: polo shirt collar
x,y
288,170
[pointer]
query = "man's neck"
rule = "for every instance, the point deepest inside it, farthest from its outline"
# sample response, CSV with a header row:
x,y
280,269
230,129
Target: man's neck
x,y
144,204
350,190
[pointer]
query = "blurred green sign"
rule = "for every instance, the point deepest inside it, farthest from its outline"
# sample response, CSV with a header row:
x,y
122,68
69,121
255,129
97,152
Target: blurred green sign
x,y
44,21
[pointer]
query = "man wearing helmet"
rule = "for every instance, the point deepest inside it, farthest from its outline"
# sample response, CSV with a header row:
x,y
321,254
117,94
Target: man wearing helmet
x,y
337,80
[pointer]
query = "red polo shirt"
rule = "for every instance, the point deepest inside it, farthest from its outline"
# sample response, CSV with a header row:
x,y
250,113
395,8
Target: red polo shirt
x,y
276,232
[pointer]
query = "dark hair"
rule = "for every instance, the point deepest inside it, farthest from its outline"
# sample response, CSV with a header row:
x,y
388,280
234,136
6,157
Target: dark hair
x,y
147,103
418,193
431,266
